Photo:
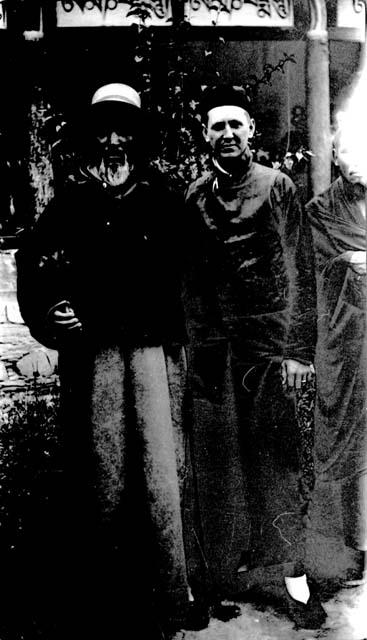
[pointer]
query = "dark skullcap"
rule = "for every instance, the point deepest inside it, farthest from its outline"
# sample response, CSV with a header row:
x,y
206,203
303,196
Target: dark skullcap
x,y
224,95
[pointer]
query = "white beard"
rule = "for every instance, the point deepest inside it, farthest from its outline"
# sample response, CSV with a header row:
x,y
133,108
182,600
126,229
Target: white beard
x,y
114,173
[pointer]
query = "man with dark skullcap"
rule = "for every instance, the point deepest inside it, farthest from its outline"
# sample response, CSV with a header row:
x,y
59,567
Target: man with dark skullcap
x,y
251,306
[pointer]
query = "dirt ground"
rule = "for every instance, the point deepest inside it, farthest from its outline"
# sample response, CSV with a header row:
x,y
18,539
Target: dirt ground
x,y
346,620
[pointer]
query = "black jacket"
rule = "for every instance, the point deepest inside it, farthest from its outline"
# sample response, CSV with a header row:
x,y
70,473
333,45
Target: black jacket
x,y
117,261
252,268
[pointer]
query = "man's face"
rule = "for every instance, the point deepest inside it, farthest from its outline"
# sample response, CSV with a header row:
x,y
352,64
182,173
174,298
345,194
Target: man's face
x,y
350,156
114,144
115,148
228,131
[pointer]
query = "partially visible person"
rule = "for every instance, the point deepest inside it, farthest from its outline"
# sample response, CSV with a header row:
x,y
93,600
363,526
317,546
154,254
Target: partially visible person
x,y
99,279
338,219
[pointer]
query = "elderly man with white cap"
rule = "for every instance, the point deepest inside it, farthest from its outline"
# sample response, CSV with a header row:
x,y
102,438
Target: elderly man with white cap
x,y
99,280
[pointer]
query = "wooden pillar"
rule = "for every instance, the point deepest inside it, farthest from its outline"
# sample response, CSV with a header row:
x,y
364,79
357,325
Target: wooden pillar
x,y
318,97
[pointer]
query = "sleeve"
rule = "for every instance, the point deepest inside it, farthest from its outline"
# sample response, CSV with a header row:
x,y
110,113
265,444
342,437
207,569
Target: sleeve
x,y
199,285
298,254
42,273
193,241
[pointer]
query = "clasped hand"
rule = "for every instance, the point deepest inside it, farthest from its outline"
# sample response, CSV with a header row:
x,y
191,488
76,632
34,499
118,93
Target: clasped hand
x,y
295,373
62,318
358,262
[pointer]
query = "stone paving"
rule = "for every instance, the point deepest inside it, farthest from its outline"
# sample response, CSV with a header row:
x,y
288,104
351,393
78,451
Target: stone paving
x,y
22,359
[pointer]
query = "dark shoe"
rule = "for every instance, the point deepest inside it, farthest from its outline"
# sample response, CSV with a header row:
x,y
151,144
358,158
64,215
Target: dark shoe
x,y
357,576
197,617
225,612
194,618
246,562
354,579
305,616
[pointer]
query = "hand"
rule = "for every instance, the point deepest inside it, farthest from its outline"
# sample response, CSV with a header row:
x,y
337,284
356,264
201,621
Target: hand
x,y
358,262
294,373
62,318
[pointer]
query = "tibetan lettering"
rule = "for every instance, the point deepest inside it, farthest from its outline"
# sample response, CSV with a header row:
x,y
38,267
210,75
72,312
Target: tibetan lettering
x,y
114,13
248,13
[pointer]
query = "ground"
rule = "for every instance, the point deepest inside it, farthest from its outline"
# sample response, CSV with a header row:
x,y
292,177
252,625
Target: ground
x,y
347,620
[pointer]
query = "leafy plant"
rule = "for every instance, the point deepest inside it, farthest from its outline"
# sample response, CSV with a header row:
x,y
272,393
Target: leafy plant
x,y
29,450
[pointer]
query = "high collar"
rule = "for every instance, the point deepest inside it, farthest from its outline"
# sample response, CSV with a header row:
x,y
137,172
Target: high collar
x,y
224,177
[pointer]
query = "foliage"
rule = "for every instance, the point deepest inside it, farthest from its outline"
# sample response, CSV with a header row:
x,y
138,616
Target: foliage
x,y
29,450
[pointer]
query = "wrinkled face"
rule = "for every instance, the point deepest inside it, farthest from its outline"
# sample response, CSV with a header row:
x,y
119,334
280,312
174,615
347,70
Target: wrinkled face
x,y
228,131
350,156
114,143
115,150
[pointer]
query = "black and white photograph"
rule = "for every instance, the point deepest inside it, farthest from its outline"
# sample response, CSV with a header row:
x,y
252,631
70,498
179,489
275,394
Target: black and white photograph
x,y
183,382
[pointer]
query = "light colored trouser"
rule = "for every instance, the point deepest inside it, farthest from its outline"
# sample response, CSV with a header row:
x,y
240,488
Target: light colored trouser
x,y
153,381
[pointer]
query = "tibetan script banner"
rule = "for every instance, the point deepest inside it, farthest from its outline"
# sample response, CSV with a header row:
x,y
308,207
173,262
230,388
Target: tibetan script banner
x,y
112,13
2,14
240,13
351,13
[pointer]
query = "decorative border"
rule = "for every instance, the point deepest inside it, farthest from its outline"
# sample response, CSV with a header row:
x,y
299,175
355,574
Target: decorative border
x,y
3,21
358,5
351,13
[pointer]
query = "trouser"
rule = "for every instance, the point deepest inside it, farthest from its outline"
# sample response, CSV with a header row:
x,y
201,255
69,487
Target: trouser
x,y
125,454
247,461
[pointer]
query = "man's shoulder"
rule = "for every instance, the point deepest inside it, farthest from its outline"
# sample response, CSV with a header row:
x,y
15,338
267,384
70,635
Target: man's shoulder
x,y
70,191
70,203
199,185
264,170
274,177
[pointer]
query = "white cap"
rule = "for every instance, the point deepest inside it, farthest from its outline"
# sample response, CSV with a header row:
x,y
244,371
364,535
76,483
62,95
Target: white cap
x,y
117,92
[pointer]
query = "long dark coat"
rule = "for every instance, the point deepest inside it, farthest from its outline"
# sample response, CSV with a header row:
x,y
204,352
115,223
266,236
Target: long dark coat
x,y
251,303
116,259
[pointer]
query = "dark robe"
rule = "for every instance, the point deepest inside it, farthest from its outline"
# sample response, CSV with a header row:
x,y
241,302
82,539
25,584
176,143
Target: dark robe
x,y
338,228
250,302
115,259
